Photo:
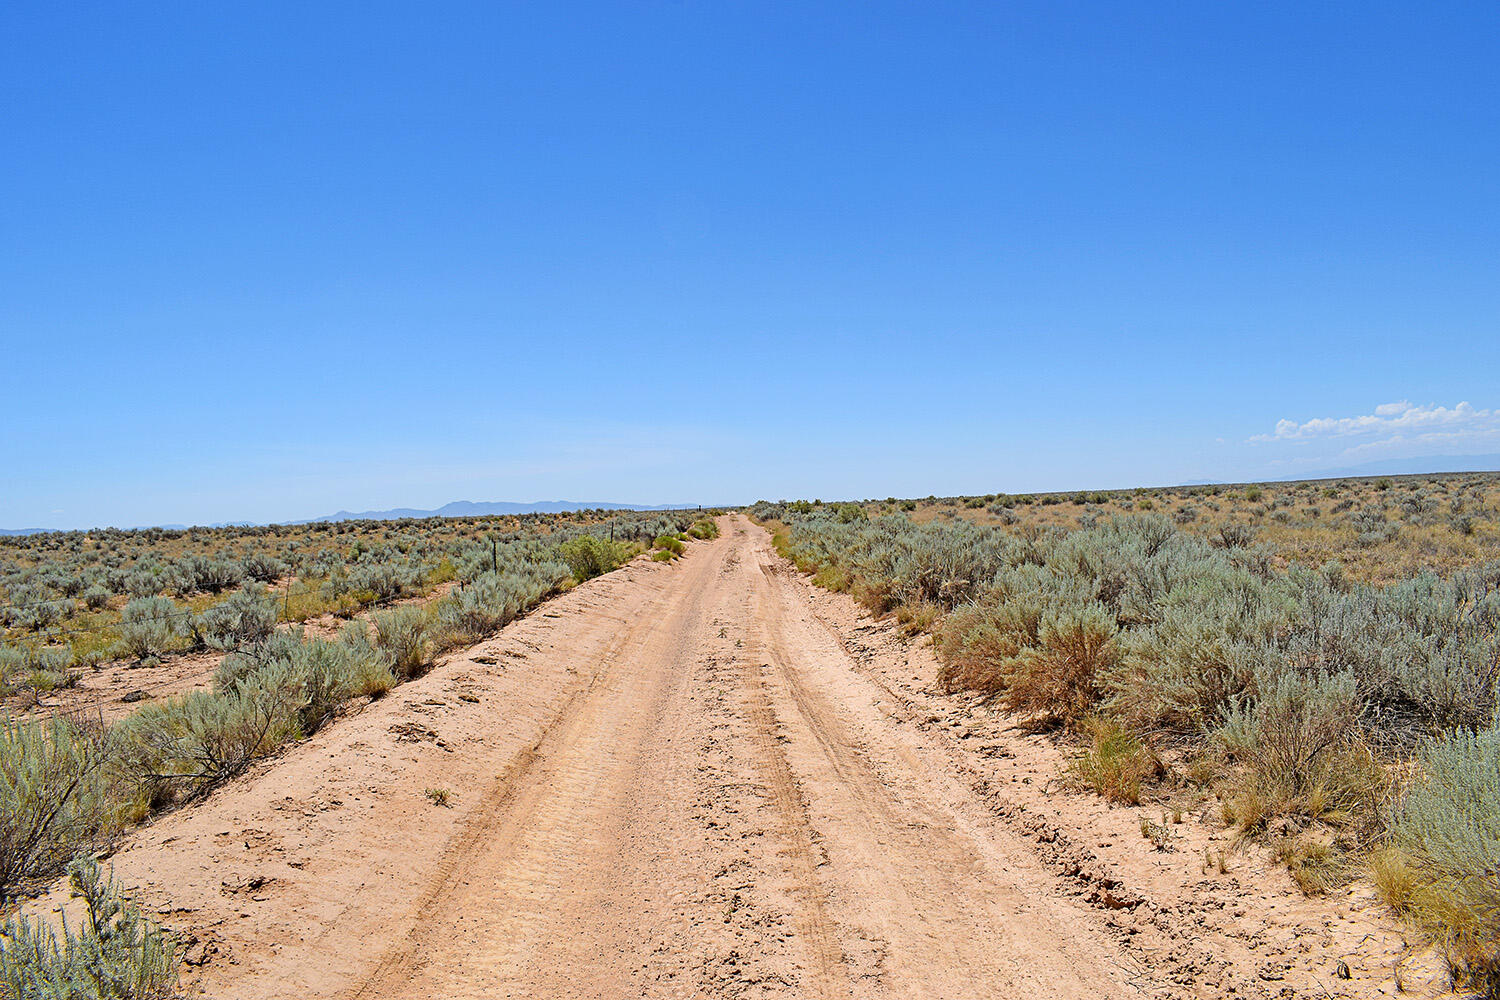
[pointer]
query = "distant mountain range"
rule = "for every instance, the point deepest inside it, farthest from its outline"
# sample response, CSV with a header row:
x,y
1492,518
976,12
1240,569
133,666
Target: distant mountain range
x,y
459,508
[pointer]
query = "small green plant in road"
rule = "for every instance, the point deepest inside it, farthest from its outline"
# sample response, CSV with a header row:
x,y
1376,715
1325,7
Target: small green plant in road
x,y
118,954
439,796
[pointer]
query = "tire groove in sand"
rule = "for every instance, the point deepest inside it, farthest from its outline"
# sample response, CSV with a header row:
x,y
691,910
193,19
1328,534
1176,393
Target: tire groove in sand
x,y
513,800
820,939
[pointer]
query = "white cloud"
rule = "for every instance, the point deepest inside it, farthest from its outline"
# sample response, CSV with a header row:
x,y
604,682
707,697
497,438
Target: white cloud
x,y
1395,425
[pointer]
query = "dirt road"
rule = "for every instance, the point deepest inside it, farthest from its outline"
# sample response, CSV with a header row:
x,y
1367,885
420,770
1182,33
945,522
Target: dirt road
x,y
703,780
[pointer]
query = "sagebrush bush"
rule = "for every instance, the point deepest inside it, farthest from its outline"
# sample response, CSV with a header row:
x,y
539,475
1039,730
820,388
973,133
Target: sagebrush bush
x,y
1299,746
182,747
263,567
247,617
402,636
705,528
1442,870
51,799
149,626
1058,678
118,954
199,574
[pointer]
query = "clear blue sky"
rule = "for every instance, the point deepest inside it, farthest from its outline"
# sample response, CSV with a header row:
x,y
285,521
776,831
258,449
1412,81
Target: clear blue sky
x,y
266,261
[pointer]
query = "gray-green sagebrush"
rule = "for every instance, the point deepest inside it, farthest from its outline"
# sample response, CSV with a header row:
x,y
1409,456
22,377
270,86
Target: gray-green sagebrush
x,y
1303,684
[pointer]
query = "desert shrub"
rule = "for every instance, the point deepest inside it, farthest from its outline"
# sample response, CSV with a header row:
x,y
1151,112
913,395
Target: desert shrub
x,y
1425,651
402,637
369,673
149,626
475,610
1210,636
51,803
200,574
492,600
322,674
275,647
705,528
1234,536
95,598
1058,677
263,567
145,583
1298,744
247,617
978,643
383,580
589,556
1440,870
184,746
118,954
40,615
20,663
670,544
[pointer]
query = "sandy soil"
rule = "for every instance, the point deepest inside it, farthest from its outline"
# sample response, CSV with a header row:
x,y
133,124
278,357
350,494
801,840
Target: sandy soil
x,y
708,779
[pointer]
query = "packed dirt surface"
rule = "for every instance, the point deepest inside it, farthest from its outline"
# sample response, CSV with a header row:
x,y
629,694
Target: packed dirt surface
x,y
708,779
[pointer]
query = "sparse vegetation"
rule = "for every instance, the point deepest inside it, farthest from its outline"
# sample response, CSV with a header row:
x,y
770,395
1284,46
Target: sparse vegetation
x,y
1293,689
66,785
118,954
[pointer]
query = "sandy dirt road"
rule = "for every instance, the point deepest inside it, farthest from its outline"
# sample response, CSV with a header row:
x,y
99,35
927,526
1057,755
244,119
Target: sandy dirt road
x,y
686,780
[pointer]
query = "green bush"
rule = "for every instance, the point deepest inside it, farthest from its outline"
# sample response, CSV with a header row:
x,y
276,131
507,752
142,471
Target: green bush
x,y
369,673
51,798
589,556
1298,743
402,637
182,747
247,617
1444,875
149,626
705,528
117,955
671,545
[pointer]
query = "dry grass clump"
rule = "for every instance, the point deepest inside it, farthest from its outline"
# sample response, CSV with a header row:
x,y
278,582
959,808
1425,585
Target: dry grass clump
x,y
1117,763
